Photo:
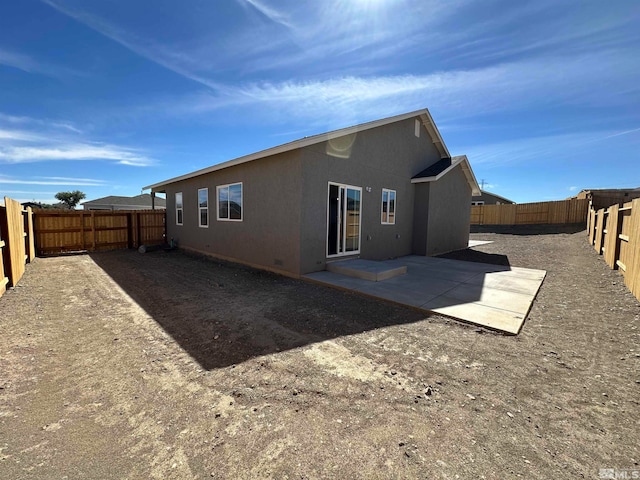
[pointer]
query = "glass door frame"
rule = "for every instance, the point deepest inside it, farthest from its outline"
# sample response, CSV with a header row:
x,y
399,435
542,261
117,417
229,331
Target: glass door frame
x,y
342,220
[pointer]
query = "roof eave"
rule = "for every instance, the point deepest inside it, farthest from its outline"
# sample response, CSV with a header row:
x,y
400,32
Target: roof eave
x,y
463,161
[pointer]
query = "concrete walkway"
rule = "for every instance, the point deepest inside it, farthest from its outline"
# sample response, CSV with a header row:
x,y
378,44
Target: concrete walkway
x,y
493,296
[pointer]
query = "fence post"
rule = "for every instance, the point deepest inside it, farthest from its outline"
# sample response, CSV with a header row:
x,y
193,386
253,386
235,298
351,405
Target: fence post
x,y
612,244
632,273
5,258
599,231
93,230
30,243
138,228
82,240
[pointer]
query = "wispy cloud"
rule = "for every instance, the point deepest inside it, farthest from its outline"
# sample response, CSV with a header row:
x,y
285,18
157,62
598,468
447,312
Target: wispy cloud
x,y
29,64
44,142
17,60
26,192
453,94
326,63
268,11
77,151
542,150
625,132
62,181
323,37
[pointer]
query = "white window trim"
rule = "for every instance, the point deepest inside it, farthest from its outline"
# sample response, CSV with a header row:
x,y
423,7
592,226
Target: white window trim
x,y
395,209
476,204
354,252
203,208
218,188
181,209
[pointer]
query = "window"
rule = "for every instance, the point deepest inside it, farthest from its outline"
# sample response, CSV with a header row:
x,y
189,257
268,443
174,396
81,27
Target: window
x,y
203,207
388,206
179,208
477,203
230,202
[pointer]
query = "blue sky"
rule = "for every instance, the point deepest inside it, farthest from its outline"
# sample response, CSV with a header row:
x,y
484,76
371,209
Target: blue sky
x,y
107,97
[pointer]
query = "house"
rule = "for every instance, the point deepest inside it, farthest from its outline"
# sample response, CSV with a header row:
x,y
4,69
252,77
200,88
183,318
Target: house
x,y
487,198
139,202
604,198
378,190
33,205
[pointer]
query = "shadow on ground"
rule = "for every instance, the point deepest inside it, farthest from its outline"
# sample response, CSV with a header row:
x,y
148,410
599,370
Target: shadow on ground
x,y
529,229
223,314
471,255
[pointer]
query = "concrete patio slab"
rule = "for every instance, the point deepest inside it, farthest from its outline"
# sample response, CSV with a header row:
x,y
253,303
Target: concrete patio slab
x,y
493,296
366,269
477,243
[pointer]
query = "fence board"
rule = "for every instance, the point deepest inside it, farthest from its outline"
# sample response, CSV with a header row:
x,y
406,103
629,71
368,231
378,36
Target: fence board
x,y
621,241
592,226
611,240
13,233
4,280
68,231
632,272
560,212
30,241
597,245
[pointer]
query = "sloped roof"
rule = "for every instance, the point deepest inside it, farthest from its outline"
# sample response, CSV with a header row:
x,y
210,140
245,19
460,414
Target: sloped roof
x,y
435,169
143,200
441,168
499,197
423,114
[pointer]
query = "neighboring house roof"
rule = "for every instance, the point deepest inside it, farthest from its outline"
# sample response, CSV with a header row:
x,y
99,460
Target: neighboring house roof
x,y
423,114
31,204
143,200
444,166
499,197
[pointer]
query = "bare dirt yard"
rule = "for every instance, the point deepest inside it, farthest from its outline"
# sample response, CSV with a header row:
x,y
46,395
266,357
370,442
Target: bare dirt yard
x,y
165,365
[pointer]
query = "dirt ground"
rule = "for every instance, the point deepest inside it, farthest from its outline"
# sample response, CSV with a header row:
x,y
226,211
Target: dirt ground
x,y
165,365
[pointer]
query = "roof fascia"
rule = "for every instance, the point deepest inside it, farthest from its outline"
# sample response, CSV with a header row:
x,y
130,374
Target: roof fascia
x,y
463,161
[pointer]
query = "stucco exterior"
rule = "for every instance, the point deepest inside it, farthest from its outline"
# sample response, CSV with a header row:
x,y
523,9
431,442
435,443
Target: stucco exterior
x,y
286,208
269,234
385,157
449,214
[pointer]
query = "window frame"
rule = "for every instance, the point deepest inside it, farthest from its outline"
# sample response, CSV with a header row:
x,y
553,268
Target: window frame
x,y
228,218
205,189
395,206
179,209
478,203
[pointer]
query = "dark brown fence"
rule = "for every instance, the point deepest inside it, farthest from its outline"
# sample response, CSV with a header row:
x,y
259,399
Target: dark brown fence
x,y
614,232
64,231
561,212
16,242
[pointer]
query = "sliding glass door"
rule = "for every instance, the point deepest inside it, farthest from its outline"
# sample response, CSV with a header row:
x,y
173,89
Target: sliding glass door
x,y
343,222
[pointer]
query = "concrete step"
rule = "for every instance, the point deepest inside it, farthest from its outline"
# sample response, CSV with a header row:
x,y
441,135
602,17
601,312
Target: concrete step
x,y
366,269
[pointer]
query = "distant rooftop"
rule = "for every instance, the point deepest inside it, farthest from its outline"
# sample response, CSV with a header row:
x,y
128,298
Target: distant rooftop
x,y
143,200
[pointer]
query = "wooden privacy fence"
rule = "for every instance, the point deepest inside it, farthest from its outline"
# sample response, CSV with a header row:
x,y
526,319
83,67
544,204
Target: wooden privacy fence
x,y
614,232
62,231
560,212
16,242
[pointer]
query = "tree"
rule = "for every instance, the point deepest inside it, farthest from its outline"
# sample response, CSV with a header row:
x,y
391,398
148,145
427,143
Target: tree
x,y
70,199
